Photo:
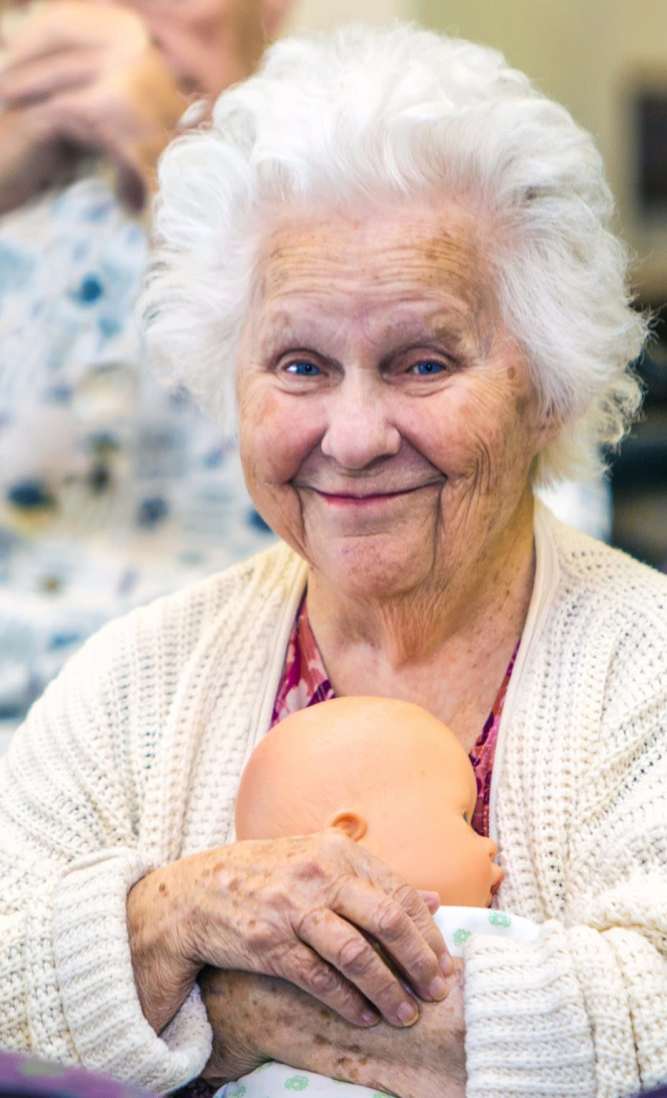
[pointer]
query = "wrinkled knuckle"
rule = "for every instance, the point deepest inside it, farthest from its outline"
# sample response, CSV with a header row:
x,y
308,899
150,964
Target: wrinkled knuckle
x,y
391,920
386,992
340,885
355,957
337,849
309,922
406,897
319,979
309,869
423,969
260,937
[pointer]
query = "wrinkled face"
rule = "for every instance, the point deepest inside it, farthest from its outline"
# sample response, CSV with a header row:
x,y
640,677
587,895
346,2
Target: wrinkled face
x,y
388,422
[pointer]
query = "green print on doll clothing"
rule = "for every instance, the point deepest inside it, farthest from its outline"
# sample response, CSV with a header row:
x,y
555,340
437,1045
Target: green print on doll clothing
x,y
458,924
274,1080
461,936
500,918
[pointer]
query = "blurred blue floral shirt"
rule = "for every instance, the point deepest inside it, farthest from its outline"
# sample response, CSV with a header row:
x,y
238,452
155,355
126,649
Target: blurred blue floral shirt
x,y
113,489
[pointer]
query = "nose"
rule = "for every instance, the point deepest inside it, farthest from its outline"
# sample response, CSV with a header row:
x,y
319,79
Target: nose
x,y
359,428
497,874
497,877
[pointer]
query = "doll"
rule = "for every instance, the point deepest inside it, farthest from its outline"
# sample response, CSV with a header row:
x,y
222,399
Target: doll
x,y
393,777
388,774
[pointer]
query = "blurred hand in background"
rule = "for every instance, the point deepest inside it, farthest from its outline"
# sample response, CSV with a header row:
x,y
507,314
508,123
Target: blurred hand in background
x,y
81,77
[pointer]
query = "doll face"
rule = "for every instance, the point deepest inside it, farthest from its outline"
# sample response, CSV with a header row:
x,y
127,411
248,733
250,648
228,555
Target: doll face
x,y
427,838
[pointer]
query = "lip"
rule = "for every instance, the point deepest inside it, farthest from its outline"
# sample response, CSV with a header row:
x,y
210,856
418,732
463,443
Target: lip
x,y
350,499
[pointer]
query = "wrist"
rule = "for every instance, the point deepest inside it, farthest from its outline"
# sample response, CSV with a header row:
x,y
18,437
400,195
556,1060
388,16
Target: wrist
x,y
206,933
164,970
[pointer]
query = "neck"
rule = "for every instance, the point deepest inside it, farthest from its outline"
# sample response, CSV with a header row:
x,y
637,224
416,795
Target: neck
x,y
479,604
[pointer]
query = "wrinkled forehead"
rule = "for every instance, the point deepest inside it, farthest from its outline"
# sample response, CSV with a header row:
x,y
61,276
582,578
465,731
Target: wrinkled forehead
x,y
423,248
382,263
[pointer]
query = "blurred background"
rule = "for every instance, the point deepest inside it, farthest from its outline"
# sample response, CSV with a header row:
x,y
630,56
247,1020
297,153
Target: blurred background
x,y
111,490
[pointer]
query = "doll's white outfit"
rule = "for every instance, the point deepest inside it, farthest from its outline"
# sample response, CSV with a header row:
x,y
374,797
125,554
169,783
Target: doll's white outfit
x,y
457,924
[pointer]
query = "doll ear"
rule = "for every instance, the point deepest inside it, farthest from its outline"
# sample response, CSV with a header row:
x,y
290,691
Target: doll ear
x,y
354,825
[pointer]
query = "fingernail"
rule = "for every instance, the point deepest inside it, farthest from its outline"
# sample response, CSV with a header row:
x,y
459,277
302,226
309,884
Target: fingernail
x,y
407,1014
438,988
370,1018
446,964
431,899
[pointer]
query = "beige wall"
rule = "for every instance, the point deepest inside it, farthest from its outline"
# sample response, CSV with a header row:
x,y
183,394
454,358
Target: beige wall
x,y
324,14
587,53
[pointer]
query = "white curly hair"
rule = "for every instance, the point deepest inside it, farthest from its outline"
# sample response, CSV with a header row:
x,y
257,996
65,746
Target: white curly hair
x,y
368,113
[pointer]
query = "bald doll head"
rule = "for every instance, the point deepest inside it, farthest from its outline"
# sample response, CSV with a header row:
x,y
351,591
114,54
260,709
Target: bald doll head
x,y
387,773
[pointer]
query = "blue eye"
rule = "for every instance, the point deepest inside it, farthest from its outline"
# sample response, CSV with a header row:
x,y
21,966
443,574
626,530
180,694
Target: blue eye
x,y
303,369
427,368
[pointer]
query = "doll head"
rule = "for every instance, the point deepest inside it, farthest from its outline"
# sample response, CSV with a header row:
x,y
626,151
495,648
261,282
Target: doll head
x,y
388,774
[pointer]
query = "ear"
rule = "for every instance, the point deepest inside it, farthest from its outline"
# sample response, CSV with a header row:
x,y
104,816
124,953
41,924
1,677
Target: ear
x,y
354,825
274,13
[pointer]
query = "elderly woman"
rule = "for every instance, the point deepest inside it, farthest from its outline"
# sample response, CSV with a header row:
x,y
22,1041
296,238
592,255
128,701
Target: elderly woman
x,y
397,252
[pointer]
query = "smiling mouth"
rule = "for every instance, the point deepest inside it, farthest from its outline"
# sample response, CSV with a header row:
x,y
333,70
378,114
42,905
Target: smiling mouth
x,y
370,497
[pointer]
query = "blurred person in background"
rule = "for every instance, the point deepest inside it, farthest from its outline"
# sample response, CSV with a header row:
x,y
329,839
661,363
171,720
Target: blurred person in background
x,y
112,490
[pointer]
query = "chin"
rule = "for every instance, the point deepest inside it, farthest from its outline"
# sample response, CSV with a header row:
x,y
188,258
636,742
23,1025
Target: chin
x,y
366,570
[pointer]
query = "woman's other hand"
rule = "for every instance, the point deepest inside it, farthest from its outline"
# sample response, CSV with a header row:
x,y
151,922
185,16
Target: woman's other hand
x,y
259,1018
310,909
78,77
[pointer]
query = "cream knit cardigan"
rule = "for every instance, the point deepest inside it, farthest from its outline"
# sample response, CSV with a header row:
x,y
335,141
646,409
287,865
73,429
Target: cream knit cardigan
x,y
132,759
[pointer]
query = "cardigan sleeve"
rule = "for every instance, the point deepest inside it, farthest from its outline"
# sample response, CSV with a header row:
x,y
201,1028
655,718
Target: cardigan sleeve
x,y
582,1011
70,793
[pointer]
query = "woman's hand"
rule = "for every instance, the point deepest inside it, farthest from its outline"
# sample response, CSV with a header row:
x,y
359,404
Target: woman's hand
x,y
256,1018
300,908
80,77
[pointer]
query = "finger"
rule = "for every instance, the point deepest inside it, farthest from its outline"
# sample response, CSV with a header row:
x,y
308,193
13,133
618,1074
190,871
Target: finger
x,y
90,124
69,24
131,190
431,899
32,81
307,969
409,936
415,906
131,182
352,955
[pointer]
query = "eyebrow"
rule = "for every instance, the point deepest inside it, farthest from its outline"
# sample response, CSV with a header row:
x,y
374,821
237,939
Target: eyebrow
x,y
283,331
